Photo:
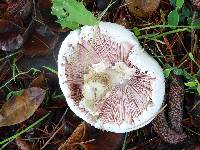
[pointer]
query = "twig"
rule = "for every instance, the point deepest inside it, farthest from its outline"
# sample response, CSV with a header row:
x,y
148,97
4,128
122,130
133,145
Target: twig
x,y
52,136
55,131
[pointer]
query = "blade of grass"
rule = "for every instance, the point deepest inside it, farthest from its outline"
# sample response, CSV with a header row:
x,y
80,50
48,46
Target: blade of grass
x,y
24,130
157,35
13,54
124,144
168,26
51,70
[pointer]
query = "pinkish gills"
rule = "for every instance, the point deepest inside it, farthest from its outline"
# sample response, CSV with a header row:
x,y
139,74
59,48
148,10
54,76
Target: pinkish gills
x,y
123,102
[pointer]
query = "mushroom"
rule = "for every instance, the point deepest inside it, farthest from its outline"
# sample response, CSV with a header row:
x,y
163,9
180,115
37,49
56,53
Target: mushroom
x,y
108,80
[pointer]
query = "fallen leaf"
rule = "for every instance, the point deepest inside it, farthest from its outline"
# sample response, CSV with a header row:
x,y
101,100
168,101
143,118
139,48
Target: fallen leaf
x,y
74,139
22,144
38,81
44,10
10,36
105,141
20,108
90,138
175,100
18,10
5,71
42,41
167,134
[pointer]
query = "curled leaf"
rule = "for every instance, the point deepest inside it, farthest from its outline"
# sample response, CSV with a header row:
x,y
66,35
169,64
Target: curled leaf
x,y
74,140
167,134
175,99
92,139
20,108
172,133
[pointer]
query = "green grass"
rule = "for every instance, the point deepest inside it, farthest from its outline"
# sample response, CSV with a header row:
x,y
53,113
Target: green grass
x,y
10,139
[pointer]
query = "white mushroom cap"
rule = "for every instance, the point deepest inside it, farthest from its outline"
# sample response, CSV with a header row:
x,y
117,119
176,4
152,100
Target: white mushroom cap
x,y
108,48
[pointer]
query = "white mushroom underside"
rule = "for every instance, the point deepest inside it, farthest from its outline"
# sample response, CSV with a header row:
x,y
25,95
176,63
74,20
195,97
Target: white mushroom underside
x,y
128,110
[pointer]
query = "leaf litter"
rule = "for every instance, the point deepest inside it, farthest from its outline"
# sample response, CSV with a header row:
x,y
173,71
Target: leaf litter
x,y
40,39
20,108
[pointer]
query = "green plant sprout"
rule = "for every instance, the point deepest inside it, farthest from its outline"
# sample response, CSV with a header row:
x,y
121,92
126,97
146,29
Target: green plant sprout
x,y
32,70
192,81
173,17
180,13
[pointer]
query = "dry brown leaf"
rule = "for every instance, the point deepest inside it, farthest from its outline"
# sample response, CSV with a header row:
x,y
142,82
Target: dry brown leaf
x,y
38,81
41,42
105,141
22,144
92,139
10,36
142,8
20,108
18,9
167,134
76,137
175,100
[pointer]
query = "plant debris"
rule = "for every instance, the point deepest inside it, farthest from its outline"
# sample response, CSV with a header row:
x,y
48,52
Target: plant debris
x,y
172,133
20,108
88,137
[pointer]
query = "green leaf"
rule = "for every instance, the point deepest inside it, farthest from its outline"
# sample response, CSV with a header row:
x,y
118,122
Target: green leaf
x,y
136,31
179,3
166,72
71,14
198,73
198,88
188,76
173,3
51,69
185,13
196,22
173,18
191,56
178,71
191,84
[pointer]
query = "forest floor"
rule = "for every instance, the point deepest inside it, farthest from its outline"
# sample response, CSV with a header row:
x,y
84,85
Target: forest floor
x,y
37,115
